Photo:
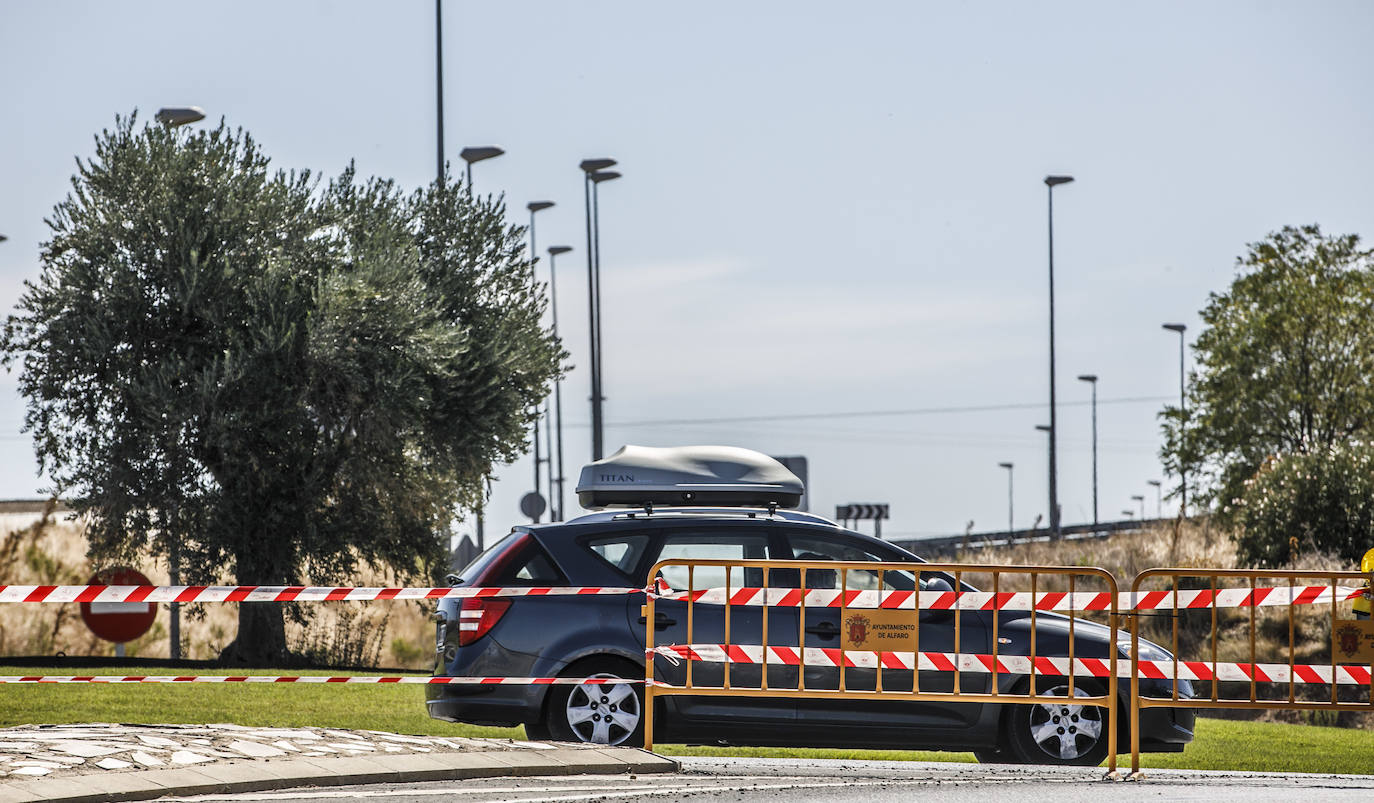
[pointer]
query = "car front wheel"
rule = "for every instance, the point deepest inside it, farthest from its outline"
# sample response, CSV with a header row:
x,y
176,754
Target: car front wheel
x,y
1060,732
597,713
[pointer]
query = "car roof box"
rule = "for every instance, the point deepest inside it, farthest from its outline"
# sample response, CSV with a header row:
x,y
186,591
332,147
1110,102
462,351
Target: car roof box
x,y
637,476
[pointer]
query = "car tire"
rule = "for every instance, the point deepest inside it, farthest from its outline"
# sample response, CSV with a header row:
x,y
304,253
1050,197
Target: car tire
x,y
1061,733
610,714
537,731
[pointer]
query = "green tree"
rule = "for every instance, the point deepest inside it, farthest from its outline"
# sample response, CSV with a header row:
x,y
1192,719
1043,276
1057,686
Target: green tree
x,y
1283,366
279,381
1302,503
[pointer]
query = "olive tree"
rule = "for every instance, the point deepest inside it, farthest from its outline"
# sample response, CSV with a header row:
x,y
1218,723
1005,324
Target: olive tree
x,y
281,382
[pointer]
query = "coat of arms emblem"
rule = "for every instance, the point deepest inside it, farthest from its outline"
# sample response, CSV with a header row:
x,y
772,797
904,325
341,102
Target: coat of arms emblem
x,y
1348,640
858,628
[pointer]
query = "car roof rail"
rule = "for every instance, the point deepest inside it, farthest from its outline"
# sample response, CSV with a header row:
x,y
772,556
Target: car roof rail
x,y
656,512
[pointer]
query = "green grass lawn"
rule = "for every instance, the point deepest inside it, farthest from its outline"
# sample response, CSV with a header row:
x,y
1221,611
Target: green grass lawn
x,y
1220,744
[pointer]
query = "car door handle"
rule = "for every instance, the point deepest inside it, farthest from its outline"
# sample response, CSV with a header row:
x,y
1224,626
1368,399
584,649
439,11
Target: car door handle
x,y
824,630
661,621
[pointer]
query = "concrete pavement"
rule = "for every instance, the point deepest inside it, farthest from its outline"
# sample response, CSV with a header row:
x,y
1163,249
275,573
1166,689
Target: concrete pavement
x,y
101,762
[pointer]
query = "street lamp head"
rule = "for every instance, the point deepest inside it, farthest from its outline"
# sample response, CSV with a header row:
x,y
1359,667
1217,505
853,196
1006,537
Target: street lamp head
x,y
555,250
593,165
1130,514
1054,181
173,116
3,238
1005,465
1137,497
538,206
1176,327
479,154
1043,427
604,175
1155,483
1087,378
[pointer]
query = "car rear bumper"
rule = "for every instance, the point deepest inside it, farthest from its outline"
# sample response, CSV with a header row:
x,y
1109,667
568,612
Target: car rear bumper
x,y
504,706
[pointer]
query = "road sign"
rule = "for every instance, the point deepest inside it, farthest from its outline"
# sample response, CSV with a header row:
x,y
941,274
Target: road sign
x,y
533,505
844,512
119,621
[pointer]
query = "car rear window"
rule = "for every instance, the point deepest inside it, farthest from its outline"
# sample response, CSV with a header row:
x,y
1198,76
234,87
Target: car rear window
x,y
621,552
517,560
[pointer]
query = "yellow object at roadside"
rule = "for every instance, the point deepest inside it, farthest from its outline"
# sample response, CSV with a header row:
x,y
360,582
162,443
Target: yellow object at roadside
x,y
1362,604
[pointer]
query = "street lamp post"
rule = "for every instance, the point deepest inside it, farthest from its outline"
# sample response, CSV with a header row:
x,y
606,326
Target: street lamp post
x,y
536,206
1141,499
1092,380
1053,515
1050,183
171,117
554,251
478,154
439,84
1159,498
594,172
1182,419
1010,517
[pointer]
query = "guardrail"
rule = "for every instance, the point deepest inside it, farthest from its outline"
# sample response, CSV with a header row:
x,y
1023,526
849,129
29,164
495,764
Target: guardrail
x,y
759,658
1248,684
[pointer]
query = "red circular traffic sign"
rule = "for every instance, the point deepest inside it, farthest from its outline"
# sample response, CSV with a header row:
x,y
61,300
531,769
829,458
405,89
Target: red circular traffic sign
x,y
119,621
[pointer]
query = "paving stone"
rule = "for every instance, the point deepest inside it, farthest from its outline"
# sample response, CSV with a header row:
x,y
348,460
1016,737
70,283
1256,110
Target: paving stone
x,y
147,759
112,764
87,749
187,757
255,749
35,771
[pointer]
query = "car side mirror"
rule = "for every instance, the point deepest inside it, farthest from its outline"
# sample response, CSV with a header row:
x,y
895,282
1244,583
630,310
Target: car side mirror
x,y
936,584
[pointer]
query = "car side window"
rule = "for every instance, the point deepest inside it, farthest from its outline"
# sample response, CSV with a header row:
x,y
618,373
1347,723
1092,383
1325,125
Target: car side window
x,y
713,546
621,551
810,547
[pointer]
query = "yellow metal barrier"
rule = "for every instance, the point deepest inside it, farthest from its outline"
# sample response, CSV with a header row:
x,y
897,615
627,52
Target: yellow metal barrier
x,y
848,577
1257,690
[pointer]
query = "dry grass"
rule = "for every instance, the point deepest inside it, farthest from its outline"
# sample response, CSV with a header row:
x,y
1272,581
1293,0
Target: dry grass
x,y
1300,632
52,551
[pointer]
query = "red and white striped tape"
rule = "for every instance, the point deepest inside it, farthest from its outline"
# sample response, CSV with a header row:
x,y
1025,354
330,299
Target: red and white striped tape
x,y
1012,664
347,679
1021,600
778,597
110,593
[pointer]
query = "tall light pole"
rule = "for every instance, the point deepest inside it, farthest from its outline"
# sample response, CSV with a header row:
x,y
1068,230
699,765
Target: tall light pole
x,y
536,206
478,154
1050,183
439,84
1159,498
560,513
1182,419
1092,380
1141,499
171,117
1010,517
594,172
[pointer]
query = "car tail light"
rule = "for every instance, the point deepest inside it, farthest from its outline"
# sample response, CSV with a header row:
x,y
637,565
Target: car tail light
x,y
477,615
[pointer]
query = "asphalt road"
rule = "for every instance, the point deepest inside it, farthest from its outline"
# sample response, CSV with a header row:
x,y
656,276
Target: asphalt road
x,y
748,779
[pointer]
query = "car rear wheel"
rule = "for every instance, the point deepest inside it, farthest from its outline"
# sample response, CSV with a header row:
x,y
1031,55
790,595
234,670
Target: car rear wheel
x,y
1061,732
597,713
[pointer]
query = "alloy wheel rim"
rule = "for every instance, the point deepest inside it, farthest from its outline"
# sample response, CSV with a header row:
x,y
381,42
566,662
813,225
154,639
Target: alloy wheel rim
x,y
1063,730
603,713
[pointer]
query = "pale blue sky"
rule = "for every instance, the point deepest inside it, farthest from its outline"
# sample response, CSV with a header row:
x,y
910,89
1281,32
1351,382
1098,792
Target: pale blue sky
x,y
826,207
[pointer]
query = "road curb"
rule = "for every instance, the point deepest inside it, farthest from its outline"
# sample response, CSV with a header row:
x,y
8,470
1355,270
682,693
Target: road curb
x,y
263,775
